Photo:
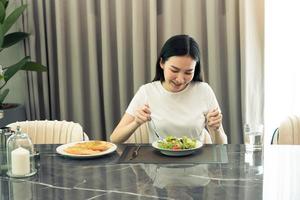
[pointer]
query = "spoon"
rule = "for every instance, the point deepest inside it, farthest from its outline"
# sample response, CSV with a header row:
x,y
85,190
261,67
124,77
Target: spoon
x,y
135,153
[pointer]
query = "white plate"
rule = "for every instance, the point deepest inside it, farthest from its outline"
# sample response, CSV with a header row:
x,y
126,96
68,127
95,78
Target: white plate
x,y
60,150
182,152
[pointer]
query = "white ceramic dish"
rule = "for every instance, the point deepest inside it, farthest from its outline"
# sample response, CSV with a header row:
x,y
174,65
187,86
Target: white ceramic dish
x,y
60,150
183,152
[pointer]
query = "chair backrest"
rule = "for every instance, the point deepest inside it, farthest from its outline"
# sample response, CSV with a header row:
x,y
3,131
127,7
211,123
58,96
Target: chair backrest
x,y
288,131
51,132
274,139
141,135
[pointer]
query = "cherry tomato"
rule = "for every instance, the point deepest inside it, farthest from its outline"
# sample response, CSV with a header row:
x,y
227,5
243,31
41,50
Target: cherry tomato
x,y
176,147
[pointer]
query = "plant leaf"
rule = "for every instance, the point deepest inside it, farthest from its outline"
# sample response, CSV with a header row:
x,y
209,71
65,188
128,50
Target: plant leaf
x,y
13,38
12,18
33,66
1,35
4,3
2,12
11,70
3,95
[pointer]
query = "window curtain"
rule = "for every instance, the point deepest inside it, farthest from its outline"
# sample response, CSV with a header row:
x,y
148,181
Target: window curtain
x,y
99,52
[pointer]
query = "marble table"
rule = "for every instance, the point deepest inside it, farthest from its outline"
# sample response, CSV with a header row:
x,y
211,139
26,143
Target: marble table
x,y
104,178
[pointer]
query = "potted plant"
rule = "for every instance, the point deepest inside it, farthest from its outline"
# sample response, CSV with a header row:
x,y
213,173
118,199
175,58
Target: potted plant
x,y
7,40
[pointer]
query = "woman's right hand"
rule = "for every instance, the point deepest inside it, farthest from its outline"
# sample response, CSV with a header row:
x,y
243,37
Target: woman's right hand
x,y
143,115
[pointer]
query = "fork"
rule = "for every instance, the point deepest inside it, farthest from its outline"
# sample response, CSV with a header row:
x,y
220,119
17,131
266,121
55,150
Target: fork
x,y
135,153
155,130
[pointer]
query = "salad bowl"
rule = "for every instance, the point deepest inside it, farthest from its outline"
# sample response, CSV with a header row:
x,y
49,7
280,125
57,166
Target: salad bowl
x,y
177,152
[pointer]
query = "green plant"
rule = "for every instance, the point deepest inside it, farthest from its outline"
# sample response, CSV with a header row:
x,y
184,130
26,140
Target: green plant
x,y
6,41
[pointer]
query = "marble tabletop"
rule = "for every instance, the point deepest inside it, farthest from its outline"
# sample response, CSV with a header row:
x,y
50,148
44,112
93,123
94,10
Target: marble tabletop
x,y
59,177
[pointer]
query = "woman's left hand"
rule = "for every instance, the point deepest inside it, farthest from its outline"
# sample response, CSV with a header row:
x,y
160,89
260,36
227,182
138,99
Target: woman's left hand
x,y
214,119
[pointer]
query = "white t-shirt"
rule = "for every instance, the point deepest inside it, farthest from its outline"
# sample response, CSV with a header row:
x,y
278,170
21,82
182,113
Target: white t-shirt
x,y
177,114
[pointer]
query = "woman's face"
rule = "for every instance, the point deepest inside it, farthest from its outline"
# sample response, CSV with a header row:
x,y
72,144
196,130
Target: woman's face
x,y
178,72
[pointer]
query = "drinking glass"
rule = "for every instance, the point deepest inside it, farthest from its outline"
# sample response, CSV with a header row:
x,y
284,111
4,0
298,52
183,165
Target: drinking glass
x,y
253,136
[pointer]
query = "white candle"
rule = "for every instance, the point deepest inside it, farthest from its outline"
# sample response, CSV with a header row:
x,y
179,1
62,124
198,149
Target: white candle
x,y
20,162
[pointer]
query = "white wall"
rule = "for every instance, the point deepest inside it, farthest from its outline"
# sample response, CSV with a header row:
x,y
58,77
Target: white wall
x,y
282,62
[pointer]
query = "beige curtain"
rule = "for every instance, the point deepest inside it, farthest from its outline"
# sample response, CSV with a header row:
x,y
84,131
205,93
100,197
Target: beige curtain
x,y
100,51
252,60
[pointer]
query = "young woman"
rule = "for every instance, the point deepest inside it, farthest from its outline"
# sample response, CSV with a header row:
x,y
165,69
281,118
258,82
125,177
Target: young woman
x,y
177,101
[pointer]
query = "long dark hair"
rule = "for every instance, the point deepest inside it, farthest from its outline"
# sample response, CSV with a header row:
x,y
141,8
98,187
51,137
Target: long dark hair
x,y
179,45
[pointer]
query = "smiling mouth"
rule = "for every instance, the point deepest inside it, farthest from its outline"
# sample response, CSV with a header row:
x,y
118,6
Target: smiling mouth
x,y
177,85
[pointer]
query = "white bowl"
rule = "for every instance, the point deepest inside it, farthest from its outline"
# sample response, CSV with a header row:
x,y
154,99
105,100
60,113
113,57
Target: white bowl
x,y
179,152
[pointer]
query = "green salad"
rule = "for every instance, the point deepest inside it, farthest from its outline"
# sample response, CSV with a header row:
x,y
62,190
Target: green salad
x,y
174,143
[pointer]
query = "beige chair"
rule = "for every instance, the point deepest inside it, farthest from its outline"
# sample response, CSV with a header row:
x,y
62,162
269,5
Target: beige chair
x,y
288,131
51,132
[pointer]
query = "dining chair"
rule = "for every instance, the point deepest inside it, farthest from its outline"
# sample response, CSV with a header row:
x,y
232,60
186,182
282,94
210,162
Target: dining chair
x,y
51,132
288,132
141,135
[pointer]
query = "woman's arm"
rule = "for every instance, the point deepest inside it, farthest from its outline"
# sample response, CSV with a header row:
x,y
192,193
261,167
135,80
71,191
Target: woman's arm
x,y
218,135
215,128
129,124
206,137
124,129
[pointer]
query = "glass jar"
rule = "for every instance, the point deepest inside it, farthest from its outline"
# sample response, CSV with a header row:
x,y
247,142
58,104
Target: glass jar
x,y
20,159
5,133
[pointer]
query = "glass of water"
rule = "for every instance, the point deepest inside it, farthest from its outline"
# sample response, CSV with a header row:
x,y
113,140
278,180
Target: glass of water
x,y
253,136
